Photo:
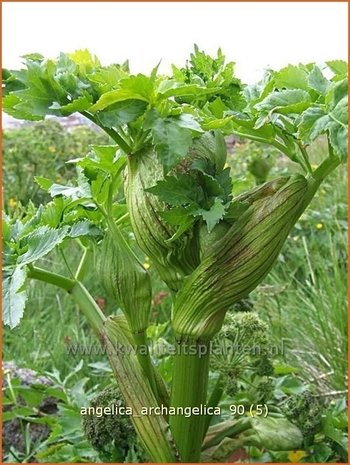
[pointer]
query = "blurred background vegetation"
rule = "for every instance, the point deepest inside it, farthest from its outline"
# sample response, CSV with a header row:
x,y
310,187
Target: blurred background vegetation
x,y
39,150
303,300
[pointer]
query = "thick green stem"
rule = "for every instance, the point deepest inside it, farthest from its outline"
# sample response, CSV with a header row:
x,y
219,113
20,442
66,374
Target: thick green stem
x,y
77,290
189,389
58,280
316,178
326,167
111,132
88,307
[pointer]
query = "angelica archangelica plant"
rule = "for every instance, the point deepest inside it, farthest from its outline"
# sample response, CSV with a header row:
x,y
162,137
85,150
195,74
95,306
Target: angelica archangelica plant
x,y
164,188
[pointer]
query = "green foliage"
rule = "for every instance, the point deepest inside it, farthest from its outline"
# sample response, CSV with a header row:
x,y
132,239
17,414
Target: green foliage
x,y
28,239
202,191
287,109
43,415
272,433
41,150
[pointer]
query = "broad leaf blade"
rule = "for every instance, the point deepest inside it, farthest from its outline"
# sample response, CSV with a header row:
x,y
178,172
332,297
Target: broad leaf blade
x,y
285,101
213,215
171,139
41,242
177,191
14,297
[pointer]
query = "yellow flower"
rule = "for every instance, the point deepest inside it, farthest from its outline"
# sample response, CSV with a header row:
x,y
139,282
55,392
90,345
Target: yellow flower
x,y
226,165
319,226
296,455
314,166
12,203
146,265
52,149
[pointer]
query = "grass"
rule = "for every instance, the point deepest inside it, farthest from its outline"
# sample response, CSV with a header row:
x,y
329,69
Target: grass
x,y
310,315
52,322
305,296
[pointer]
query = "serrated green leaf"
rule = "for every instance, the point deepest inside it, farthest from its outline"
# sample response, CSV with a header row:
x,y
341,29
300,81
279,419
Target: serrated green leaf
x,y
30,221
85,60
340,112
172,88
83,190
314,121
338,136
10,106
203,164
41,242
335,93
107,78
291,77
80,104
73,192
180,190
40,92
338,67
105,154
181,217
212,186
10,82
217,107
100,187
185,120
213,215
14,297
172,142
84,228
225,182
176,216
138,87
52,214
285,101
43,183
122,112
317,81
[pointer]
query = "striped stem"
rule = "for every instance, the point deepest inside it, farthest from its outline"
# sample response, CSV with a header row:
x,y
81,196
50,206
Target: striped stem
x,y
189,389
